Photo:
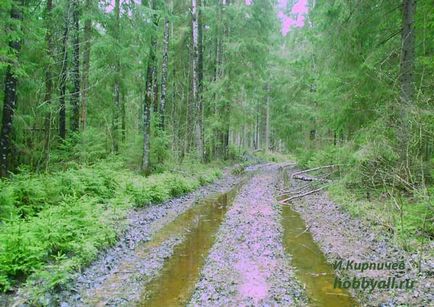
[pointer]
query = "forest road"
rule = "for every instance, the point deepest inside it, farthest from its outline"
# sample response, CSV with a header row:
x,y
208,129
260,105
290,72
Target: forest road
x,y
229,244
247,265
221,246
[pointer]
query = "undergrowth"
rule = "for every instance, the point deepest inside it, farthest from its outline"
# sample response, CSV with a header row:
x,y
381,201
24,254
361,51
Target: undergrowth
x,y
54,224
369,184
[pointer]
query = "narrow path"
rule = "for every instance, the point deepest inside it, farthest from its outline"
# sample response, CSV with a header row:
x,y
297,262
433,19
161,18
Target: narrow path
x,y
247,264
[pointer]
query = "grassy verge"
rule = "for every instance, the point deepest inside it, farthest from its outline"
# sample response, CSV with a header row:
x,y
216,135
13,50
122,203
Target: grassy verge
x,y
371,191
54,224
409,220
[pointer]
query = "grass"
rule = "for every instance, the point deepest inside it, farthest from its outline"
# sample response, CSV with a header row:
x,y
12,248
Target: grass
x,y
408,220
364,186
52,225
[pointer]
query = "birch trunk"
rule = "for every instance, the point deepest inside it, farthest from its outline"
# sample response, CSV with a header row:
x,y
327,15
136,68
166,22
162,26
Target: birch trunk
x,y
164,72
196,86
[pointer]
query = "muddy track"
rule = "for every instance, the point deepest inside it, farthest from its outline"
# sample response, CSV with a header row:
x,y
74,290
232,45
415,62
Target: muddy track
x,y
119,274
231,244
247,265
342,237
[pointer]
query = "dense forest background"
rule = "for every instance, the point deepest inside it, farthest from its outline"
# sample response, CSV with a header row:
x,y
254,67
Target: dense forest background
x,y
175,78
94,88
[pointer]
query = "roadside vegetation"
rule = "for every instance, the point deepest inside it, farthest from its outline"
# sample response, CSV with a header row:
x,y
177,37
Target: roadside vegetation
x,y
374,189
111,105
53,224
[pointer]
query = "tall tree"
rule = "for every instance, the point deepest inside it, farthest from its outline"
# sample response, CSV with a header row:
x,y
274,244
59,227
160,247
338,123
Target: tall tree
x,y
164,72
117,80
149,92
407,71
48,79
75,73
196,81
64,72
87,37
10,90
267,117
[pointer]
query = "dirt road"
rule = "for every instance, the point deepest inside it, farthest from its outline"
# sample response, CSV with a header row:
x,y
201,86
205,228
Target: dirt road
x,y
232,244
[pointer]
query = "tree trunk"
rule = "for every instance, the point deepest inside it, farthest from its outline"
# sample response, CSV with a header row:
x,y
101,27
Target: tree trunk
x,y
117,81
267,119
149,96
406,73
164,72
226,107
87,36
75,74
123,116
196,82
155,86
63,75
48,81
10,96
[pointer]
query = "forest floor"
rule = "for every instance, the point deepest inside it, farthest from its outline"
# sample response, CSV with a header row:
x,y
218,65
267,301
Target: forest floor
x,y
224,245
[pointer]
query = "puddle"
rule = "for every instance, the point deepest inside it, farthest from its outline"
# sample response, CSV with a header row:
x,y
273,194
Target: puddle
x,y
312,268
175,284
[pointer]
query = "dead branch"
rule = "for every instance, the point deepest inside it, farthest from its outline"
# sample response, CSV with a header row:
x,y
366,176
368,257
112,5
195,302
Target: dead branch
x,y
306,178
313,169
304,231
284,201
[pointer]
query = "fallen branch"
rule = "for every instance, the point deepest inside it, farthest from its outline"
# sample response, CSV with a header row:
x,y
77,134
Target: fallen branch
x,y
304,231
313,169
305,178
283,202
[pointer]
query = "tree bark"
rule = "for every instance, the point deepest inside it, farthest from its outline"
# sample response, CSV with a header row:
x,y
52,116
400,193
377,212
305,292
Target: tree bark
x,y
267,119
406,72
196,82
64,74
226,107
149,95
75,73
48,81
87,36
10,95
117,81
164,72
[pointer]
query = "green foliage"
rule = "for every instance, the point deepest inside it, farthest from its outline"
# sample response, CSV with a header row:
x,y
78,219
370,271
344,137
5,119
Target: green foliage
x,y
160,187
70,229
29,194
53,224
417,220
